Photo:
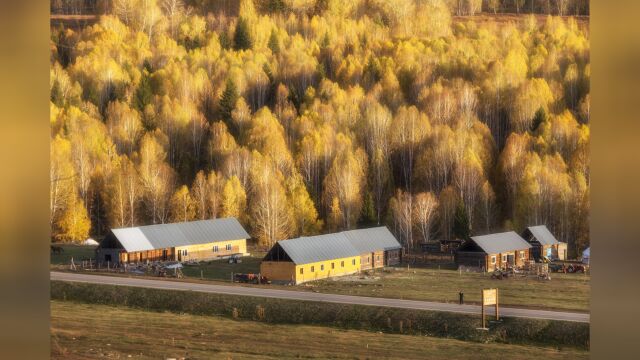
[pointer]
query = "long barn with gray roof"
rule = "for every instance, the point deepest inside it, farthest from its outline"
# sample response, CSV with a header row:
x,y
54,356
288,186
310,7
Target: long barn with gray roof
x,y
184,241
494,251
310,258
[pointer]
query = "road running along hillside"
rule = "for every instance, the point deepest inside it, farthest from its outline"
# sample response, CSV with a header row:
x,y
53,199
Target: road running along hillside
x,y
322,297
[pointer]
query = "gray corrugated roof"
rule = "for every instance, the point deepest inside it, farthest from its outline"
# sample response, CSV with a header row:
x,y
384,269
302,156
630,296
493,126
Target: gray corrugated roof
x,y
162,236
500,242
543,235
372,239
309,249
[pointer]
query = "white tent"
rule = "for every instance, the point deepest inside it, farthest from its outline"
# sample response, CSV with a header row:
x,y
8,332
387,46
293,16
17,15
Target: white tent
x,y
586,254
89,241
174,266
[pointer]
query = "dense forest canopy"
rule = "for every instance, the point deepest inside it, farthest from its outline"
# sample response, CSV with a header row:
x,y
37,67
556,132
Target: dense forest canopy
x,y
301,117
456,7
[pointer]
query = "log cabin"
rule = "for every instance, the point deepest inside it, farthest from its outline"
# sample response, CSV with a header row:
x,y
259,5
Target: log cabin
x,y
323,256
494,251
545,245
194,240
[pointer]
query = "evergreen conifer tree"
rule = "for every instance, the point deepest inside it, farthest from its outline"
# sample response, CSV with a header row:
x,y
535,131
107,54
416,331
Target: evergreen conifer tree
x,y
461,223
228,101
242,38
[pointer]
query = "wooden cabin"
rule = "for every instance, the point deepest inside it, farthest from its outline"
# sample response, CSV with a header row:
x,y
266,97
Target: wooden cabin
x,y
194,240
323,256
545,245
494,251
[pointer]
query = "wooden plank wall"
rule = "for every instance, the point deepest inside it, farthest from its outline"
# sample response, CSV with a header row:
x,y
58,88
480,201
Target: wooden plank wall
x,y
392,257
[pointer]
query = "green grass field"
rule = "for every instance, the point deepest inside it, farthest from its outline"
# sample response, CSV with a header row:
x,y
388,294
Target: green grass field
x,y
221,269
563,291
82,331
78,252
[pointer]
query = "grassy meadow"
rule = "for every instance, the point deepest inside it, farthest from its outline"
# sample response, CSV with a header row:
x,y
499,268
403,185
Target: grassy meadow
x,y
562,292
78,252
83,331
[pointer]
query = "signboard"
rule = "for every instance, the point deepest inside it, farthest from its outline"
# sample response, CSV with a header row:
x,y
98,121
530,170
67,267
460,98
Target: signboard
x,y
489,297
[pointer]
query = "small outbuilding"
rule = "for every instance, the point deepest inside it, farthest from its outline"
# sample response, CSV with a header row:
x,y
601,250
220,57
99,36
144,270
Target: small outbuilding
x,y
494,251
194,240
318,257
545,245
586,254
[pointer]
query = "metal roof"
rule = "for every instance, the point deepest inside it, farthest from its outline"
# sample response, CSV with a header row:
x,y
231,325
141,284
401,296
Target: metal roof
x,y
543,235
372,239
162,236
310,249
501,242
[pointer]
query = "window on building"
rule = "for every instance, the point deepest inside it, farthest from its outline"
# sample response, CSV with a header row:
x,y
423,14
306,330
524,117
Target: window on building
x,y
353,261
228,247
521,254
333,266
504,258
215,248
493,259
368,259
322,267
312,268
184,252
301,271
377,257
342,264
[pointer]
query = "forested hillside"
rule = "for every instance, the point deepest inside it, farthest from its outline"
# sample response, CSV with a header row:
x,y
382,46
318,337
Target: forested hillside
x,y
321,116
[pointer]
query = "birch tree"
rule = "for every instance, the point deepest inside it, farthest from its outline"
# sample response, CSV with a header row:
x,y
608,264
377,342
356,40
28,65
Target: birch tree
x,y
271,213
344,184
425,208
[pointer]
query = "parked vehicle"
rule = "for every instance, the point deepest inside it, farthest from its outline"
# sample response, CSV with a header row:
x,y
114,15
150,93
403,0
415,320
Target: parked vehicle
x,y
567,267
555,267
501,274
576,268
250,279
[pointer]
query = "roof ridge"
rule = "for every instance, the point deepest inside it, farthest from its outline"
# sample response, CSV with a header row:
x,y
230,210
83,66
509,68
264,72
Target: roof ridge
x,y
174,223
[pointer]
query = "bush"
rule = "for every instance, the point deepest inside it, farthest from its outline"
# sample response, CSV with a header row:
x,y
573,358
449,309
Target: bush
x,y
281,311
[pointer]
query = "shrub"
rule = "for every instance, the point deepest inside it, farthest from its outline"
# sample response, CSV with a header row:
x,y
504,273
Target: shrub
x,y
371,318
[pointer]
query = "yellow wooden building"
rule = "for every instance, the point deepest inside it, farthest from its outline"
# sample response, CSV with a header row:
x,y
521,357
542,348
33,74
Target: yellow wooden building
x,y
319,257
185,241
